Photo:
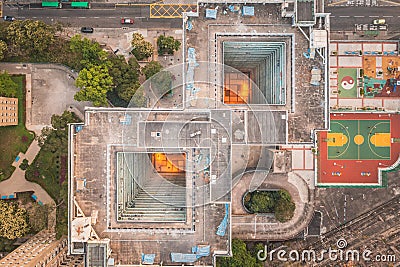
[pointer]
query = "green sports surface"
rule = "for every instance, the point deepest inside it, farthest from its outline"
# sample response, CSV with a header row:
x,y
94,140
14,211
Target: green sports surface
x,y
363,129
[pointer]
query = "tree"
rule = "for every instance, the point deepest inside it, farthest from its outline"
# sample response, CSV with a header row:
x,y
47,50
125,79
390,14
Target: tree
x,y
128,91
162,83
284,209
8,87
3,49
141,49
13,221
151,69
261,202
139,100
55,138
30,38
87,52
241,256
95,82
167,45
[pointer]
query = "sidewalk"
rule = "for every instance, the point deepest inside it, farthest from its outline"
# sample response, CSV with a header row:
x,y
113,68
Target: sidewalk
x,y
17,183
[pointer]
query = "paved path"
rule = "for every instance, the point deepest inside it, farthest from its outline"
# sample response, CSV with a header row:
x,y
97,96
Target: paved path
x,y
17,183
260,227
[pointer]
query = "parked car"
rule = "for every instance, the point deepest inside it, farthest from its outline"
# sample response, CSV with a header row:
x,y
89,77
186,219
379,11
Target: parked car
x,y
87,30
8,18
379,21
127,21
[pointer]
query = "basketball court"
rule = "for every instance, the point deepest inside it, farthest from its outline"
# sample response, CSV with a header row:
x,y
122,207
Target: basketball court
x,y
359,139
356,147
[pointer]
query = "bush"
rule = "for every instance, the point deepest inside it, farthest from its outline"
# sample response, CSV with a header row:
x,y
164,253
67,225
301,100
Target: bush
x,y
24,165
278,202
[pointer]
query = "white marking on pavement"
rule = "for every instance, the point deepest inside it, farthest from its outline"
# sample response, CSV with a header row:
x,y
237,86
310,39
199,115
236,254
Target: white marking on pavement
x,y
81,17
96,17
387,16
334,16
112,17
374,16
344,16
359,16
64,17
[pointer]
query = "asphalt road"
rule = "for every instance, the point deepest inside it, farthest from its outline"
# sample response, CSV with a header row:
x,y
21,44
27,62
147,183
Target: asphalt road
x,y
106,17
344,18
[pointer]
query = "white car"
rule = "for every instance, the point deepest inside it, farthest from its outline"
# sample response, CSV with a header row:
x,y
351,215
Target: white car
x,y
127,21
379,21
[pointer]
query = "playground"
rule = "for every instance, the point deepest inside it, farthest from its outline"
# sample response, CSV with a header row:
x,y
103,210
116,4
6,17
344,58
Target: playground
x,y
356,146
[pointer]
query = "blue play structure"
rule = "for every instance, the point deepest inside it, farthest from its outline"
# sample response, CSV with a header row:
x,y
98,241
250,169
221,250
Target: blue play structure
x,y
211,13
78,128
8,197
184,258
17,158
190,71
126,120
148,258
222,227
248,11
201,251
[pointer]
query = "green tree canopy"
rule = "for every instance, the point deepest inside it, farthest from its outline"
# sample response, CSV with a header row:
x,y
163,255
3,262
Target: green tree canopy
x,y
8,88
284,209
95,82
139,99
30,38
87,51
127,92
241,257
141,48
262,202
13,221
3,49
152,68
278,202
167,45
161,83
55,138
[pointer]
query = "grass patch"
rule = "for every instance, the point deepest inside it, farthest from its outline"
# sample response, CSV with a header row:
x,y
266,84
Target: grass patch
x,y
14,139
44,171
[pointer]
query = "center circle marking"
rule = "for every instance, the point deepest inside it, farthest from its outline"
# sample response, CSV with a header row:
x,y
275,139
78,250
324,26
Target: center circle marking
x,y
358,139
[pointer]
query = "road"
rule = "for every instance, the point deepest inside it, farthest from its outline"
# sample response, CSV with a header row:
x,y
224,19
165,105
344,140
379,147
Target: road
x,y
98,17
344,18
